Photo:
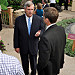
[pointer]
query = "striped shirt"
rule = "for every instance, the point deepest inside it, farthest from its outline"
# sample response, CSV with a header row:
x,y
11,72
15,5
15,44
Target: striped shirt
x,y
10,65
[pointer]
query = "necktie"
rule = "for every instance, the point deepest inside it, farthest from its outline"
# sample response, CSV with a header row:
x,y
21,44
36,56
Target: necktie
x,y
29,26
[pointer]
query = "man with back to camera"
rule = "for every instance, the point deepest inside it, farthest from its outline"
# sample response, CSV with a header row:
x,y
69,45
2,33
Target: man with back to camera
x,y
51,45
28,28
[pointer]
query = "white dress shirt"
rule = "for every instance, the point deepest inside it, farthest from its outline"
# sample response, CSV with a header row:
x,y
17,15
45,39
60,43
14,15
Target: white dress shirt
x,y
9,65
50,25
52,1
28,18
44,6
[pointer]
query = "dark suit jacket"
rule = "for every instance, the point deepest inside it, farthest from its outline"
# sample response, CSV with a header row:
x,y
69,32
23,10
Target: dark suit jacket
x,y
51,50
60,2
45,6
22,39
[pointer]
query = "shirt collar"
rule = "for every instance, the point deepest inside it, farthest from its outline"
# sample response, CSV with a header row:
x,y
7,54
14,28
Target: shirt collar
x,y
29,17
44,5
50,25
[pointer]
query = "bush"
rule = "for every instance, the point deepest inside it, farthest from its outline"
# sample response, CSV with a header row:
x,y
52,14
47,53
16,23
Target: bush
x,y
70,4
15,4
68,48
69,43
3,4
36,1
65,22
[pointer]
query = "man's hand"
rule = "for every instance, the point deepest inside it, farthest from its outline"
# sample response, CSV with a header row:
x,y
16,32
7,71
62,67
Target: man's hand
x,y
17,50
38,33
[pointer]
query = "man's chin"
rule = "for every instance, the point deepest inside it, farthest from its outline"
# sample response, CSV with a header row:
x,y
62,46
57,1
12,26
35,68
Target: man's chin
x,y
30,15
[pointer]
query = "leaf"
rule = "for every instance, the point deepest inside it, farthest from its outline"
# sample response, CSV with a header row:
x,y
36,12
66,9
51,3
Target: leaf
x,y
3,7
4,4
68,48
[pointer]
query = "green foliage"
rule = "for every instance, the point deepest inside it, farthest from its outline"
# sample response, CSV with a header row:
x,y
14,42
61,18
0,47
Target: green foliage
x,y
14,3
57,1
68,49
70,4
64,23
4,4
36,1
2,46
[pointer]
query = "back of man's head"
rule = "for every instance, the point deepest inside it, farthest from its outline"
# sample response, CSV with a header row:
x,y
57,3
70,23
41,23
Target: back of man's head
x,y
51,13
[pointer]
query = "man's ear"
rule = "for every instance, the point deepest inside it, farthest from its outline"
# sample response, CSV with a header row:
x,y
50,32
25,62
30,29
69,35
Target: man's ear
x,y
24,9
47,20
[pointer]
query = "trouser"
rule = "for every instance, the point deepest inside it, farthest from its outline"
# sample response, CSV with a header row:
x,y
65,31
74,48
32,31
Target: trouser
x,y
25,63
60,3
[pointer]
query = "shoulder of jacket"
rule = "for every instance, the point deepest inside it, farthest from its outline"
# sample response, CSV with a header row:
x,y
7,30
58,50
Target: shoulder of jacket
x,y
36,16
20,16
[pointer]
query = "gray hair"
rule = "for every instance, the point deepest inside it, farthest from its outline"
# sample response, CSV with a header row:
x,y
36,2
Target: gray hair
x,y
28,4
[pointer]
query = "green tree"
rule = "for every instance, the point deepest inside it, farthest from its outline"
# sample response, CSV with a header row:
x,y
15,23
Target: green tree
x,y
57,1
4,4
23,2
15,4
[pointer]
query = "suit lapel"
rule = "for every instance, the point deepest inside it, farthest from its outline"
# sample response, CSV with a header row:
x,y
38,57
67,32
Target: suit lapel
x,y
32,25
25,23
52,26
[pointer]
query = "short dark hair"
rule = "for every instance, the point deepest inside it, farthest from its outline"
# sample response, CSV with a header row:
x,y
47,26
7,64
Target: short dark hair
x,y
51,13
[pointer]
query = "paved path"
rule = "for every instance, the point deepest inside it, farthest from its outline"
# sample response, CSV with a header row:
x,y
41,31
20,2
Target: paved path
x,y
69,66
7,37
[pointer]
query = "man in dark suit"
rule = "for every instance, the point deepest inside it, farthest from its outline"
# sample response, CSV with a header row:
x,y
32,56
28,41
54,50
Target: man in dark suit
x,y
60,2
51,45
65,4
28,28
44,2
